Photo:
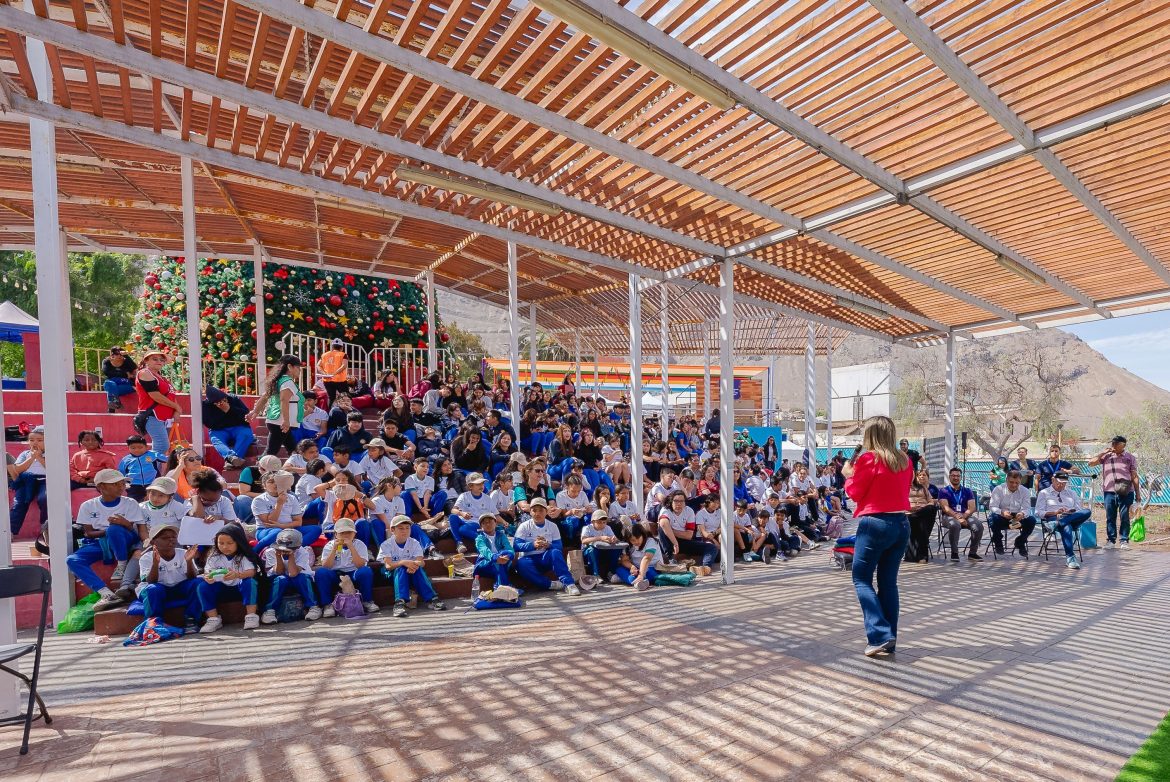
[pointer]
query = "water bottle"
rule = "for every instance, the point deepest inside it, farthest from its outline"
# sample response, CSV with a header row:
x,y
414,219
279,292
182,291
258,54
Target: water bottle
x,y
475,589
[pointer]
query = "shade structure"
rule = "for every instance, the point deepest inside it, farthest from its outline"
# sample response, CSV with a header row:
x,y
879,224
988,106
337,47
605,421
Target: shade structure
x,y
15,323
617,373
884,176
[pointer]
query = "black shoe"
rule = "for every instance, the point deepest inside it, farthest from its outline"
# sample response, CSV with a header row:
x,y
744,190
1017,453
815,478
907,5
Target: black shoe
x,y
1022,550
973,557
999,550
954,557
767,557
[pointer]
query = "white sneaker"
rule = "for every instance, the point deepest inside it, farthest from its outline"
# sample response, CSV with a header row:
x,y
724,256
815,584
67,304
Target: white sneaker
x,y
814,546
314,613
642,584
1111,545
267,618
1124,545
330,612
251,621
371,607
212,624
615,579
572,589
556,586
1072,563
119,571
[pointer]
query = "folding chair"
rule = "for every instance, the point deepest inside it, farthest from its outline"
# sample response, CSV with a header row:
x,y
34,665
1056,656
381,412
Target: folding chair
x,y
14,582
1050,536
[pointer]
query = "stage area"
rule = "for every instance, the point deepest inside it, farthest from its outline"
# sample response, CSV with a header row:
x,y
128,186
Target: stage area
x,y
1005,670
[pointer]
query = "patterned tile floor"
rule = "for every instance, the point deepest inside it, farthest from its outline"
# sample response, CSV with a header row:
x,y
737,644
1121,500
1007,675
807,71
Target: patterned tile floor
x,y
1005,670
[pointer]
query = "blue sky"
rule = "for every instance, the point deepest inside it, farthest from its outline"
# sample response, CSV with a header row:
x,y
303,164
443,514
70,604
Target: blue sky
x,y
1139,343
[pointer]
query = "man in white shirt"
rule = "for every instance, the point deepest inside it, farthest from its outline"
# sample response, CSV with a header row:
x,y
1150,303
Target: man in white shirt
x,y
1058,505
1011,506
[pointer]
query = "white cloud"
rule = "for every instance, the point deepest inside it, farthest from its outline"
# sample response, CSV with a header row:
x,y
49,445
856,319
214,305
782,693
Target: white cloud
x,y
1144,341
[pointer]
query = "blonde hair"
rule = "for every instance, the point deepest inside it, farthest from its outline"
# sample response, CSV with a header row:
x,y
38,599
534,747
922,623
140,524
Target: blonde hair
x,y
881,438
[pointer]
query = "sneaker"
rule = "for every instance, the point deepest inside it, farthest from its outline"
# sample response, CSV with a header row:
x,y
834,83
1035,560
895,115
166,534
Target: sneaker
x,y
119,572
814,547
1111,545
642,584
190,626
955,557
1124,545
329,612
462,549
999,549
767,557
125,592
399,608
615,579
877,650
437,605
1022,550
212,624
433,553
108,603
556,586
251,621
267,618
371,607
313,614
973,557
111,407
572,589
1073,564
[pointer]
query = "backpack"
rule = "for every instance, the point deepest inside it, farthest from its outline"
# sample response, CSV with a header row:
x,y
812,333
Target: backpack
x,y
291,609
152,631
419,389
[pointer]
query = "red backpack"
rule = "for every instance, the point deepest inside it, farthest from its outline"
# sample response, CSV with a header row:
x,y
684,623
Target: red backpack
x,y
419,390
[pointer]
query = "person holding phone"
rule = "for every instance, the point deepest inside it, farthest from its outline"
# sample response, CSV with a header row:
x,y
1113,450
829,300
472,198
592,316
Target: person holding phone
x,y
878,480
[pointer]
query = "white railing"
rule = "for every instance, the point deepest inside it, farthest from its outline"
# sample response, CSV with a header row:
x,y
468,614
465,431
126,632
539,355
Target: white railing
x,y
410,364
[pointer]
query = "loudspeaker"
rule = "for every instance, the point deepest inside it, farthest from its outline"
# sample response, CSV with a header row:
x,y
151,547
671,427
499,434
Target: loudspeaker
x,y
964,441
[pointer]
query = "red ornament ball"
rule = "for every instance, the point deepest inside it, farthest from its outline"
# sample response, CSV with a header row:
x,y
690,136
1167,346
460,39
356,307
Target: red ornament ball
x,y
401,331
444,337
370,296
335,300
268,297
413,308
320,299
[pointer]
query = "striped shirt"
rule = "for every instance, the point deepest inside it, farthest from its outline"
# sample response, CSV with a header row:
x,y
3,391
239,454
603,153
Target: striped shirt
x,y
1117,467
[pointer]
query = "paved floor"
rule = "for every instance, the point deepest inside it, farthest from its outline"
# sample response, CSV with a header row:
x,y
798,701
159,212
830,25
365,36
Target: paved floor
x,y
1005,670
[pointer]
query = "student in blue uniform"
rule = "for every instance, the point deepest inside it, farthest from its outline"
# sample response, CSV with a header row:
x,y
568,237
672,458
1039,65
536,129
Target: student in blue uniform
x,y
403,558
540,551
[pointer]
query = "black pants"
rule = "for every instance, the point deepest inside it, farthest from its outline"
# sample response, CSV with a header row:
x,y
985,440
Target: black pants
x,y
1000,523
333,387
277,439
921,527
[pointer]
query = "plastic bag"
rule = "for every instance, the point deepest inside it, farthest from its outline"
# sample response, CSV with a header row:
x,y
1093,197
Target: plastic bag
x,y
79,618
1137,530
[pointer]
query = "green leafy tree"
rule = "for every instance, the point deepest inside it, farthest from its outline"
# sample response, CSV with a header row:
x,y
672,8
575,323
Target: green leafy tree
x,y
467,350
547,348
1147,433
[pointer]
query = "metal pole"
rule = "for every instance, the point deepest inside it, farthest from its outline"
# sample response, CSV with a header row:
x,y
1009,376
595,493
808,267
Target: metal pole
x,y
727,419
596,385
706,371
664,350
66,356
514,335
810,396
829,407
531,342
770,397
949,443
637,467
261,326
9,691
54,311
191,269
577,358
432,337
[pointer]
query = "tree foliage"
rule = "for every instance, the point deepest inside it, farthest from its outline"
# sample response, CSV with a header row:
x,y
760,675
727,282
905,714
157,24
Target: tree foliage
x,y
1147,433
547,348
1006,392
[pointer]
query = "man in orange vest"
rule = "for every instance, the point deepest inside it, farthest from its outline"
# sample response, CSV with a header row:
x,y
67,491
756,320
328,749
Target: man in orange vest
x,y
331,370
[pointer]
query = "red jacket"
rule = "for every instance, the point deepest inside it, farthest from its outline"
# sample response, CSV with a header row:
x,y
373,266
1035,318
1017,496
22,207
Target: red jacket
x,y
876,489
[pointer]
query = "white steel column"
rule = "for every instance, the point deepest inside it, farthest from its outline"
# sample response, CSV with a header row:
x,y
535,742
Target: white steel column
x,y
191,268
727,419
514,336
532,342
706,371
261,326
810,397
829,406
9,691
664,350
770,395
577,357
637,468
432,337
66,356
949,443
54,313
596,385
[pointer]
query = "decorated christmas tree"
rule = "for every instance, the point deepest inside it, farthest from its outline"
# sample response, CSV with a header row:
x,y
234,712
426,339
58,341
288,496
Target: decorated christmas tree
x,y
365,311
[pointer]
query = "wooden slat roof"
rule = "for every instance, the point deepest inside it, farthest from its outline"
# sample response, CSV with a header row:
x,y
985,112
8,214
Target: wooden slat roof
x,y
888,178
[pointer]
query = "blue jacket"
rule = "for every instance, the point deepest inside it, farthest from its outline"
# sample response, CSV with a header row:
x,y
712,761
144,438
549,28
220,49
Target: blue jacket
x,y
502,545
141,470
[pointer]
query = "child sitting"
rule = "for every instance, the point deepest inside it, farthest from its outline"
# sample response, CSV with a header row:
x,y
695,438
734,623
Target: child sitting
x,y
160,508
208,502
419,491
496,554
622,512
377,464
600,561
403,557
315,423
110,522
342,500
538,546
140,466
574,501
470,505
315,473
708,519
307,451
502,501
232,564
773,523
637,567
345,555
89,460
288,563
168,575
386,506
278,508
745,532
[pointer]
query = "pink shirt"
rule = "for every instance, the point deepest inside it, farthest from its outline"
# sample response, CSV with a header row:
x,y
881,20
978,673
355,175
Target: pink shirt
x,y
876,489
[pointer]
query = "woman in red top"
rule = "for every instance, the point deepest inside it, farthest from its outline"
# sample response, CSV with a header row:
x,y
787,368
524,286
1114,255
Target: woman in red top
x,y
879,482
157,407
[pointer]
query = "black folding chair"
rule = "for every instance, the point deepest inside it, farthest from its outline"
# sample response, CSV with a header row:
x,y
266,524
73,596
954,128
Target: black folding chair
x,y
14,582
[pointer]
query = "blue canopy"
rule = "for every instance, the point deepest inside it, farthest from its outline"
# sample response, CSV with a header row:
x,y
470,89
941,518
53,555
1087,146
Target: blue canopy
x,y
15,323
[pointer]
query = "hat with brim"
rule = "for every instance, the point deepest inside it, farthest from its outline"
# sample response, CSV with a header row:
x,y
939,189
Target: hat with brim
x,y
599,515
487,517
377,442
475,478
163,484
344,525
108,476
399,520
538,502
154,533
150,353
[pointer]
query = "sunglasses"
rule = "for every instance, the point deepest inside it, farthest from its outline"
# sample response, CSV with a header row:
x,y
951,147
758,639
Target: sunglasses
x,y
538,472
193,459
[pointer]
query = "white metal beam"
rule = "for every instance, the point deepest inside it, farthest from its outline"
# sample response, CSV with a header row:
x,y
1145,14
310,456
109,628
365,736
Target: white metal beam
x,y
532,342
726,419
664,361
949,443
194,343
930,43
637,467
829,395
9,685
432,338
810,399
514,335
261,326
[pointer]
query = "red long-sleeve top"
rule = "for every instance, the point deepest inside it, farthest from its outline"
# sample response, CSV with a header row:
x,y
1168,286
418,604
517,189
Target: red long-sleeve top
x,y
876,488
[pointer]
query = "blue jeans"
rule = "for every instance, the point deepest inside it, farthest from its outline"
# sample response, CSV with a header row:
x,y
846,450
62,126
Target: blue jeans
x,y
533,566
28,488
159,434
418,580
626,576
881,542
1117,503
1070,525
208,594
493,571
156,598
114,547
462,530
300,582
243,506
434,507
233,441
570,527
374,529
117,387
328,580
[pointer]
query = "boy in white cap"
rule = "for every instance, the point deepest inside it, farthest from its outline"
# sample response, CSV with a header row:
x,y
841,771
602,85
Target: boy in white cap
x,y
469,506
288,563
168,574
110,522
539,547
377,464
160,508
345,555
599,545
402,556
